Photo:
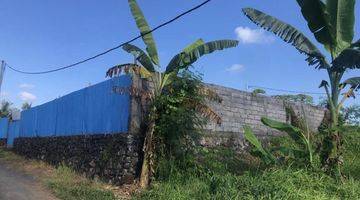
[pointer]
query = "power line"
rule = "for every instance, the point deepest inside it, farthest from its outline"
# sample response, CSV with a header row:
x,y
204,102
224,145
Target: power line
x,y
114,48
289,91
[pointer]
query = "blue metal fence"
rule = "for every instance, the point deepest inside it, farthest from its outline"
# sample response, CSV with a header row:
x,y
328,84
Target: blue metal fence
x,y
4,123
93,110
13,132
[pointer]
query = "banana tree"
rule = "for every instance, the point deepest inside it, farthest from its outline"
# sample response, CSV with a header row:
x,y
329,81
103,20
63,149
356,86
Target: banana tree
x,y
332,23
300,136
149,68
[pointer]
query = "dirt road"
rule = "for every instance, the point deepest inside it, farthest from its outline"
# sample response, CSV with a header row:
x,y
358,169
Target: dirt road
x,y
15,185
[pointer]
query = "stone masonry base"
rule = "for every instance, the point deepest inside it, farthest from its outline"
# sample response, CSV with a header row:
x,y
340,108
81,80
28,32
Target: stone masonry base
x,y
111,158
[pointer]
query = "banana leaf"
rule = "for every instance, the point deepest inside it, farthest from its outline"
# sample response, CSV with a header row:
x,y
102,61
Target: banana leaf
x,y
290,35
265,155
193,52
140,56
144,30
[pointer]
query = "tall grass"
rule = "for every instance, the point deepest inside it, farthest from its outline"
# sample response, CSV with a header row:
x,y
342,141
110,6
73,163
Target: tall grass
x,y
68,185
222,174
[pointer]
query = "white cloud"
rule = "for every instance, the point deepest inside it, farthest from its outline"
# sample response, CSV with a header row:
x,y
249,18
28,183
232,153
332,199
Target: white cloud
x,y
26,96
235,68
26,86
247,35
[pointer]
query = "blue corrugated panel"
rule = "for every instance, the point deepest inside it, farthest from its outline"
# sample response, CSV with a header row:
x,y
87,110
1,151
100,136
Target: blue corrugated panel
x,y
46,119
4,123
28,123
93,110
70,114
14,130
109,115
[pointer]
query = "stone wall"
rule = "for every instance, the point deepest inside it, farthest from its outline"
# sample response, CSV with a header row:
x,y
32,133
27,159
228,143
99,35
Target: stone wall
x,y
240,108
111,158
3,142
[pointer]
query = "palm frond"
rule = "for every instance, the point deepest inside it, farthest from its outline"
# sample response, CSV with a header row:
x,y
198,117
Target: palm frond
x,y
133,91
318,19
193,45
342,20
204,110
209,94
144,30
354,83
128,69
289,34
348,59
140,56
184,59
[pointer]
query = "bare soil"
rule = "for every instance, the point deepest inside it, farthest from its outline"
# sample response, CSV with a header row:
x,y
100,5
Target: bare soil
x,y
17,185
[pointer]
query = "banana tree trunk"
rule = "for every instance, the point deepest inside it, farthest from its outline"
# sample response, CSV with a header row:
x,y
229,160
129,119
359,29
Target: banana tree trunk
x,y
146,169
331,159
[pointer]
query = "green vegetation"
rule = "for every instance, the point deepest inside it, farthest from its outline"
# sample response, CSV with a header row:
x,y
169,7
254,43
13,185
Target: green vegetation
x,y
351,167
223,174
258,91
68,185
351,114
149,68
175,136
271,184
333,23
301,148
5,109
26,106
302,98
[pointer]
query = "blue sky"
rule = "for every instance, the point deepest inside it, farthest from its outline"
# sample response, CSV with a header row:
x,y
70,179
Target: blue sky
x,y
42,34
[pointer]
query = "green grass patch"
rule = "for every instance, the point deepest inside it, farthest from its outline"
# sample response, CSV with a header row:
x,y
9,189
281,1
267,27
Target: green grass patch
x,y
351,153
223,174
270,184
67,185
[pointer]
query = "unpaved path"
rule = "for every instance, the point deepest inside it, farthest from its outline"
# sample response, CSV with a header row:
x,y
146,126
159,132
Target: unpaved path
x,y
15,185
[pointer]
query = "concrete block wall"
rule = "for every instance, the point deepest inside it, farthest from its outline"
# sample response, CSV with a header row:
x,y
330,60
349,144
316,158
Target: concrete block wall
x,y
240,108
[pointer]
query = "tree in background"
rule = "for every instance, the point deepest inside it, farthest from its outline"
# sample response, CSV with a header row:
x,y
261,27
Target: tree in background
x,y
258,91
323,102
332,23
5,109
162,82
26,106
302,98
351,114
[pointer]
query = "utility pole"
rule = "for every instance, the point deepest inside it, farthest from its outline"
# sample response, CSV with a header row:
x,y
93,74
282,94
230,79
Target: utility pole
x,y
2,71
